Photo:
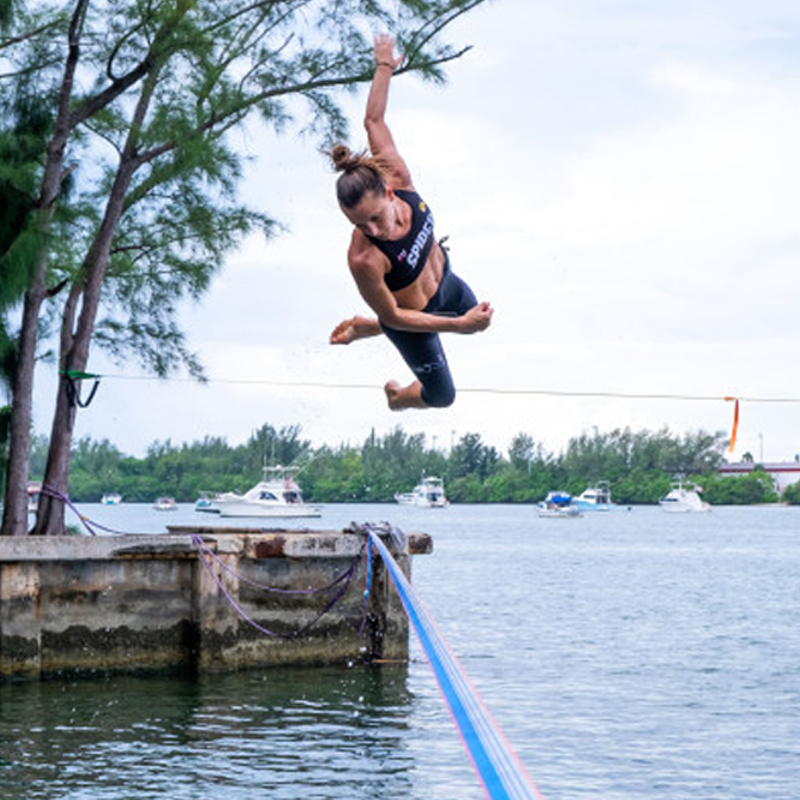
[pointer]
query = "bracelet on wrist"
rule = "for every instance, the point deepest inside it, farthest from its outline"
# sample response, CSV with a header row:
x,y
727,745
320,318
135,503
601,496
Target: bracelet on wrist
x,y
385,64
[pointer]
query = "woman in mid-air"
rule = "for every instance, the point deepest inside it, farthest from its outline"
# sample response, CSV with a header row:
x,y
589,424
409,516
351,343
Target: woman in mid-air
x,y
400,269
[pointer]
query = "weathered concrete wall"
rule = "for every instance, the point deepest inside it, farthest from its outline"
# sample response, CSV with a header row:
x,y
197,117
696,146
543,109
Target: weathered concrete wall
x,y
152,602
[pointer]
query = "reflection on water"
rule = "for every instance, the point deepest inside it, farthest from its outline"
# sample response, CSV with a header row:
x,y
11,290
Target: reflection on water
x,y
300,733
626,656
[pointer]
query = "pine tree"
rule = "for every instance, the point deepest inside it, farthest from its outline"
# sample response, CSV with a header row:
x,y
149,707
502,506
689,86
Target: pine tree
x,y
141,98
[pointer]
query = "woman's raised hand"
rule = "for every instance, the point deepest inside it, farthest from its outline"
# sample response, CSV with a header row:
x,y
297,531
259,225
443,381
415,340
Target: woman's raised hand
x,y
384,51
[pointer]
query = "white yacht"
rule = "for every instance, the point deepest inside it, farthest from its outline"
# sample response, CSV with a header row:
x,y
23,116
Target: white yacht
x,y
275,495
165,504
683,499
595,498
429,493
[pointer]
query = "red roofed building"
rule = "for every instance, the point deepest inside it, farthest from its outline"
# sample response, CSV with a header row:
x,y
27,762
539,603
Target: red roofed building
x,y
784,473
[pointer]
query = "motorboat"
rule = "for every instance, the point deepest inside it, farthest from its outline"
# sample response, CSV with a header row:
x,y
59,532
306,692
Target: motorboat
x,y
558,504
206,504
275,495
595,498
111,499
428,493
165,504
683,499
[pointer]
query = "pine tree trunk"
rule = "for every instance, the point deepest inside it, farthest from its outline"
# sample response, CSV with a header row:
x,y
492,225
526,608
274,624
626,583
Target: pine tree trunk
x,y
15,507
75,345
74,357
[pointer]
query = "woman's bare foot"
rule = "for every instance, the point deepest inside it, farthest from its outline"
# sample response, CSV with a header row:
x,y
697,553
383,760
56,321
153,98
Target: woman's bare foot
x,y
400,397
355,328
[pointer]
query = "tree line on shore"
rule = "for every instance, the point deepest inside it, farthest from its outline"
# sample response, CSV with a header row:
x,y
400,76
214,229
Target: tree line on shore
x,y
639,467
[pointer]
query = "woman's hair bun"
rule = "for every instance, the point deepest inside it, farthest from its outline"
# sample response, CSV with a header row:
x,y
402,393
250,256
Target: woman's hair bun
x,y
342,157
360,173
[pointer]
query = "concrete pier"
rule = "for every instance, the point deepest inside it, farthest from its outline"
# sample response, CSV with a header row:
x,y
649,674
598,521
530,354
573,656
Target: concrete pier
x,y
79,604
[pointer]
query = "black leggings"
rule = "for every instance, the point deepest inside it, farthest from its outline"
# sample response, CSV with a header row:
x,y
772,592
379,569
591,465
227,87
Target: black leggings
x,y
423,352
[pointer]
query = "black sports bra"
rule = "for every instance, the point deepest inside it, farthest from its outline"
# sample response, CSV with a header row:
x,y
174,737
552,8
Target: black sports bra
x,y
409,254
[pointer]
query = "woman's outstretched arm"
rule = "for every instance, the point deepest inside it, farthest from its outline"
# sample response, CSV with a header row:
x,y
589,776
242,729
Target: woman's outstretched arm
x,y
381,143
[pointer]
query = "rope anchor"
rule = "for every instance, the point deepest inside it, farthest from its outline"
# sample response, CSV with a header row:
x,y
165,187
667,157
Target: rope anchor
x,y
72,380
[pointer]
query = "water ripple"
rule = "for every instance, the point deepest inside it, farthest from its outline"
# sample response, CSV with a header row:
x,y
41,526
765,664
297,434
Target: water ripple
x,y
628,656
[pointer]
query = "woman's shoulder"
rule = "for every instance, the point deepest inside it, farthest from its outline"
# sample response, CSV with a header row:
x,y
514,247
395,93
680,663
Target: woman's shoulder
x,y
364,256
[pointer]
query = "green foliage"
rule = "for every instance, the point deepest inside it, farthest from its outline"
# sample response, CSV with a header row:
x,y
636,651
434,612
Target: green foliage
x,y
384,466
467,489
185,471
619,452
6,13
38,459
395,463
640,486
470,457
22,135
755,487
25,126
791,494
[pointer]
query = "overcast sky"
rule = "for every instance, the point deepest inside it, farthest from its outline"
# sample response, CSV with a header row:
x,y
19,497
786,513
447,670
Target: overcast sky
x,y
620,180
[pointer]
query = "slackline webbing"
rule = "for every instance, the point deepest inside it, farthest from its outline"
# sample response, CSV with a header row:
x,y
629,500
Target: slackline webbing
x,y
499,769
493,390
487,390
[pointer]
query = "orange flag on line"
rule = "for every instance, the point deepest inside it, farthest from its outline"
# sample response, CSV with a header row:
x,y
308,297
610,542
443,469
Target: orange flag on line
x,y
735,423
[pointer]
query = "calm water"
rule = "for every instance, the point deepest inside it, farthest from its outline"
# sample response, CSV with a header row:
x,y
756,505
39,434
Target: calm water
x,y
629,655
